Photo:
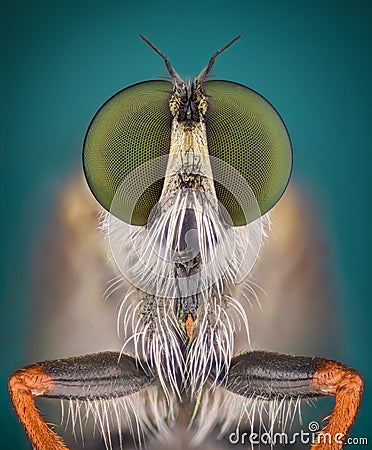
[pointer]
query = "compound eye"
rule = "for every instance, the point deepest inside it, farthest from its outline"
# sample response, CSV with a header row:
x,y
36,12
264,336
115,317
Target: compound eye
x,y
245,131
131,128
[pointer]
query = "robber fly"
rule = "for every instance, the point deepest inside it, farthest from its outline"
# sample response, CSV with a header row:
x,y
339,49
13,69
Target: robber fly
x,y
186,172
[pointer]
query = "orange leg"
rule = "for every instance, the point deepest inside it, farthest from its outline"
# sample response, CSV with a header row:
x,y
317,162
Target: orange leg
x,y
347,385
24,385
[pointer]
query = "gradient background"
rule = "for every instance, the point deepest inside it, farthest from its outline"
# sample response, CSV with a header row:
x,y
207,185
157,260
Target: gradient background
x,y
62,60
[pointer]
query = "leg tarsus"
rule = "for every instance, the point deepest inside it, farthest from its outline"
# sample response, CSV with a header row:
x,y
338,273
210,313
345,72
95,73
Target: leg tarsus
x,y
347,386
24,385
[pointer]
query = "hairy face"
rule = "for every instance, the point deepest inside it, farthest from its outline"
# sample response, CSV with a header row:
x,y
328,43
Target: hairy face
x,y
187,171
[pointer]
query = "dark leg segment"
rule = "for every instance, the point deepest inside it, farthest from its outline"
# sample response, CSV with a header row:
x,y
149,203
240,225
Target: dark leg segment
x,y
272,375
99,375
269,375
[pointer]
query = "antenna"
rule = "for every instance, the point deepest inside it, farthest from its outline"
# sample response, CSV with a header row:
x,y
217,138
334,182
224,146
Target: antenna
x,y
205,72
170,69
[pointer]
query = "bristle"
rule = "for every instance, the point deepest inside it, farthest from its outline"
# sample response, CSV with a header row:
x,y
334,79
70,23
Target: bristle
x,y
142,415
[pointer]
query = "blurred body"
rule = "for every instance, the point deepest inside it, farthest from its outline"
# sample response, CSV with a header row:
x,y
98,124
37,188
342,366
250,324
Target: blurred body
x,y
72,278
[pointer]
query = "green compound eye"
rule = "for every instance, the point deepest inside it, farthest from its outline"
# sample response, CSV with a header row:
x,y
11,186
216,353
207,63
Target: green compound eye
x,y
245,131
131,128
134,127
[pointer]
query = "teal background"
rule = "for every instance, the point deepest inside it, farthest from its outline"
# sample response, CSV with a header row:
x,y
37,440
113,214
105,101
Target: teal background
x,y
62,60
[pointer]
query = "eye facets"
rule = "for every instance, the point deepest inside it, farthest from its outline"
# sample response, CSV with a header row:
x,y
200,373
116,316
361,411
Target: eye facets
x,y
245,131
131,128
